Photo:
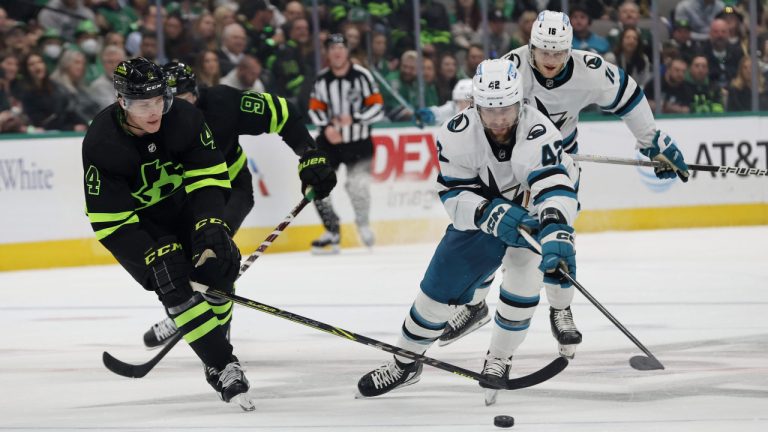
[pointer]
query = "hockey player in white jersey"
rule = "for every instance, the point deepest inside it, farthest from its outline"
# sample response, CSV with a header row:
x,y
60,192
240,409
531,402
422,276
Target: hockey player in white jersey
x,y
491,156
560,82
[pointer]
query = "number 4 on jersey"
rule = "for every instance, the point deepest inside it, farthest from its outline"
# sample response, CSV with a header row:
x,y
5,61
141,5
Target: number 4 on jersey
x,y
550,156
92,180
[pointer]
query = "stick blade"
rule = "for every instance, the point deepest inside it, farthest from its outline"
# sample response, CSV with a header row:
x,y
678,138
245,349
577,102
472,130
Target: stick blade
x,y
549,371
121,368
645,363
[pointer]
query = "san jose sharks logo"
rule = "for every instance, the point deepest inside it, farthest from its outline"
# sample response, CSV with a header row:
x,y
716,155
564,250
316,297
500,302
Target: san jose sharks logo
x,y
558,119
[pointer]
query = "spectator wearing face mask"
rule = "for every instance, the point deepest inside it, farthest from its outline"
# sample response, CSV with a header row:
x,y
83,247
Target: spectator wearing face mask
x,y
87,39
50,45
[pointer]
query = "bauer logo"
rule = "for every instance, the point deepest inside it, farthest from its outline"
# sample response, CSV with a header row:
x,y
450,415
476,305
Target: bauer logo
x,y
23,175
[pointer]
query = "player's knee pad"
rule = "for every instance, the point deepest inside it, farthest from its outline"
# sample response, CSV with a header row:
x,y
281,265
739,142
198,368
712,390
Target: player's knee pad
x,y
426,319
559,298
522,276
515,307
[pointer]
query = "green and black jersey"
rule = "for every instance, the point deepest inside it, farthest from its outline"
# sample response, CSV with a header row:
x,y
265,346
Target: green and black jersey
x,y
231,112
140,188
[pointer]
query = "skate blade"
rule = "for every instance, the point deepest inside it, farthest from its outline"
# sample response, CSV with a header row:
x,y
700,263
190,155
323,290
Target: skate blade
x,y
490,396
474,327
245,402
567,351
325,250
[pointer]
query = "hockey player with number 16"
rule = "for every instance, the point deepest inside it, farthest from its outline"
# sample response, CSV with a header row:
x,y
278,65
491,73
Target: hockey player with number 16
x,y
491,154
560,82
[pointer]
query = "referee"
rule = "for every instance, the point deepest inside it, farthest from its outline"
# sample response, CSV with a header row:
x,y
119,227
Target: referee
x,y
344,103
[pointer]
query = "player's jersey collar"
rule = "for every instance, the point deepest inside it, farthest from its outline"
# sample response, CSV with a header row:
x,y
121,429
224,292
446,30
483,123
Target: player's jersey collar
x,y
563,77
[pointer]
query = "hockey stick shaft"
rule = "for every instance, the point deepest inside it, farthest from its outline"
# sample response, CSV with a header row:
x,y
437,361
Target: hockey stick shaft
x,y
137,371
552,369
647,163
529,238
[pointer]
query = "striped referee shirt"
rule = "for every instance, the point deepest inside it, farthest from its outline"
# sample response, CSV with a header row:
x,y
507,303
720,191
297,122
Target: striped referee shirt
x,y
355,94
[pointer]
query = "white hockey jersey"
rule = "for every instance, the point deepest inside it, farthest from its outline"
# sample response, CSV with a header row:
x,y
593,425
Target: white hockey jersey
x,y
474,169
586,79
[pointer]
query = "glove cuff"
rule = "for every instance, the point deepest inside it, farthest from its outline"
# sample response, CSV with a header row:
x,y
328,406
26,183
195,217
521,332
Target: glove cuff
x,y
207,222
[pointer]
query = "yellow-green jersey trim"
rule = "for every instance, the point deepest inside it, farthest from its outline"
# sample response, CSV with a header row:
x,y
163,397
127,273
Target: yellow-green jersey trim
x,y
202,330
207,182
102,233
109,217
209,171
235,168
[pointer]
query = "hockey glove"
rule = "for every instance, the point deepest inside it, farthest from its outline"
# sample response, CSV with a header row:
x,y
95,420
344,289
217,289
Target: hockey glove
x,y
664,150
557,251
315,170
166,267
501,218
218,269
424,116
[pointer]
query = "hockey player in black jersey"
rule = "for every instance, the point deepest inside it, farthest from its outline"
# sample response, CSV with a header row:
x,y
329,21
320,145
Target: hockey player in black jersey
x,y
229,113
155,188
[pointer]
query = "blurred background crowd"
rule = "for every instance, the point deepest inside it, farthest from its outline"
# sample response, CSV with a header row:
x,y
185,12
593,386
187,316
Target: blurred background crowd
x,y
57,56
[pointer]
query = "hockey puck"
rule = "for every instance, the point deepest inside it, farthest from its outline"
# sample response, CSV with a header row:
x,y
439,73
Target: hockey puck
x,y
504,421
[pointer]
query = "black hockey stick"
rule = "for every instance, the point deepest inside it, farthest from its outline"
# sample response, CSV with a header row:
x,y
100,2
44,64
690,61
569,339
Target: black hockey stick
x,y
140,370
693,167
541,375
637,362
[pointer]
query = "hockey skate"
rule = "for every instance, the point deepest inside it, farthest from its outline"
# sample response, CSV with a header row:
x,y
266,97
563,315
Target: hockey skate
x,y
565,331
367,237
160,333
391,375
230,384
326,244
496,370
467,319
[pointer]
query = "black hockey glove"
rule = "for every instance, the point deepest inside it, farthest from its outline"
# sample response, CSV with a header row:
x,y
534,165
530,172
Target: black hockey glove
x,y
167,267
220,269
316,170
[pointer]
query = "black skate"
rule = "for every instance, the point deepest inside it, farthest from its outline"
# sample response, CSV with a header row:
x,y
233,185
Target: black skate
x,y
467,319
230,384
391,375
326,244
160,333
496,370
565,331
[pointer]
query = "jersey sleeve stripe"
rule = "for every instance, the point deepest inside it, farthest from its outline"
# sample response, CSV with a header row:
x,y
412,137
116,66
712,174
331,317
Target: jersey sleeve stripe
x,y
620,93
451,193
105,232
209,171
283,113
552,191
109,217
544,173
633,101
375,98
207,182
570,138
273,117
454,181
315,104
235,168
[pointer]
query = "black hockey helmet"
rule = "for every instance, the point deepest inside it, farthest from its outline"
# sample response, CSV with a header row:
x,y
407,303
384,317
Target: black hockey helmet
x,y
336,38
180,78
140,78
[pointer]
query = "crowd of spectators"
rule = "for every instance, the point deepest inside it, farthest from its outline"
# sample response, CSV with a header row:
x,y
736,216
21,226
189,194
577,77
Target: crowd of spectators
x,y
56,59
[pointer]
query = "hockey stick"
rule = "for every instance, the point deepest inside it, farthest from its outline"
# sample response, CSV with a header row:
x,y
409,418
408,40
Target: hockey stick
x,y
637,362
140,370
541,375
693,167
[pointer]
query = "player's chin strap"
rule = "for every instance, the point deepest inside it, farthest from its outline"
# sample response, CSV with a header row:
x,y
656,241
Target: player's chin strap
x,y
541,375
693,167
137,371
637,362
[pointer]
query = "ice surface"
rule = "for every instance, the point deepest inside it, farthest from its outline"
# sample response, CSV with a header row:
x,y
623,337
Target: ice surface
x,y
698,299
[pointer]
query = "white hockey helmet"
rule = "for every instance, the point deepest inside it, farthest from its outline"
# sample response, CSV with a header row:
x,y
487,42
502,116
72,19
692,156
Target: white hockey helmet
x,y
551,31
497,92
497,83
462,90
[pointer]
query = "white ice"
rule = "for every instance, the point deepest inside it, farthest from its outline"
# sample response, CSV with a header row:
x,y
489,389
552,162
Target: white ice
x,y
698,299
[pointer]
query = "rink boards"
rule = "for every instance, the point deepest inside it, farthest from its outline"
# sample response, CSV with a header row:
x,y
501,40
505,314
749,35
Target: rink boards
x,y
43,222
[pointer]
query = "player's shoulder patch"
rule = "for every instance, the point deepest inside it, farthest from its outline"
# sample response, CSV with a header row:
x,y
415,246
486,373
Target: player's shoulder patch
x,y
536,131
458,123
592,61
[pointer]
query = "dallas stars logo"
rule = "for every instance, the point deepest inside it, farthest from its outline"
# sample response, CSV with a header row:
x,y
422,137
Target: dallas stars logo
x,y
159,181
